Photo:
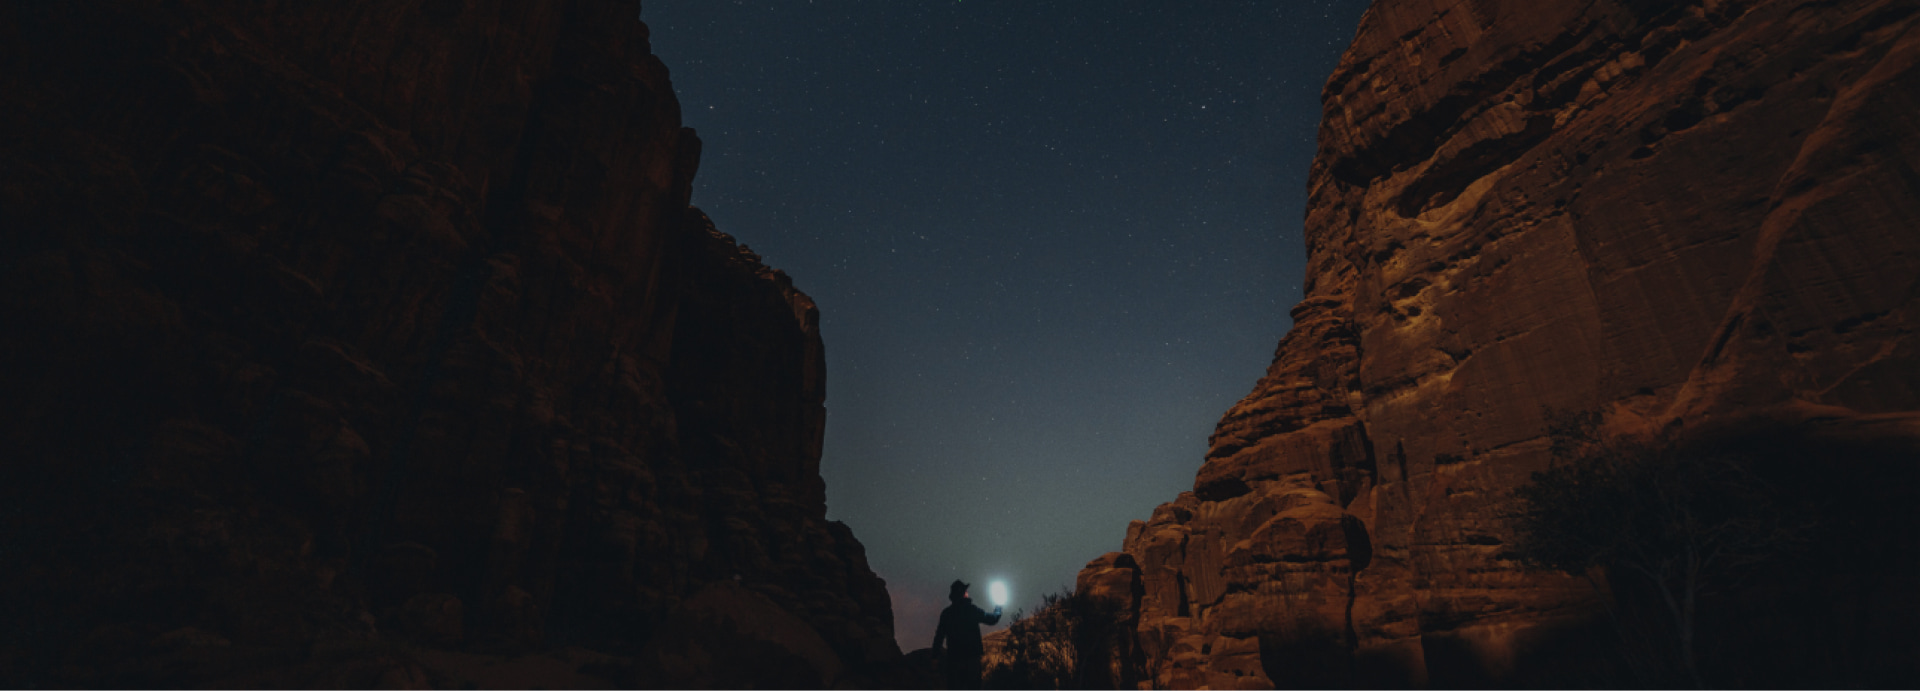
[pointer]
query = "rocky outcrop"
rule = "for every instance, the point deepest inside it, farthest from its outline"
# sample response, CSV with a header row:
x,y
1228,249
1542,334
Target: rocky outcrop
x,y
338,332
1671,213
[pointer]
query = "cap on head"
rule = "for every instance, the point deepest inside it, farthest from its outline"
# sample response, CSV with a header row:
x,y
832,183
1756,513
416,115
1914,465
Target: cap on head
x,y
957,592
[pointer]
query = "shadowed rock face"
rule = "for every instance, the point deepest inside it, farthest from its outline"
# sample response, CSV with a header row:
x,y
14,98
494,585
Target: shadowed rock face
x,y
336,325
1673,213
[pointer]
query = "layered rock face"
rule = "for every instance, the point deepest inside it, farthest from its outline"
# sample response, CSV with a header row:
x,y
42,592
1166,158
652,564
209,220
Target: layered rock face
x,y
338,332
1670,213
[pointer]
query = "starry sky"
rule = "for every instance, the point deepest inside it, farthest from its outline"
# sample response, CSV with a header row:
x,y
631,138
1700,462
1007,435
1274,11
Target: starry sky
x,y
1051,242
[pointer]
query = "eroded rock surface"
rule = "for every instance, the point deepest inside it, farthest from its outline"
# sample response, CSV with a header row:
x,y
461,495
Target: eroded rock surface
x,y
1667,212
333,327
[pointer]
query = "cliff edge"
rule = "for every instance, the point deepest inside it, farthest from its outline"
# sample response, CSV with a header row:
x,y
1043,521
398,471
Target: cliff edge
x,y
1674,215
360,343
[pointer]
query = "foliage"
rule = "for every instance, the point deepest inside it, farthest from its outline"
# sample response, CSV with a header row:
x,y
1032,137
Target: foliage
x,y
1685,518
1656,508
1062,645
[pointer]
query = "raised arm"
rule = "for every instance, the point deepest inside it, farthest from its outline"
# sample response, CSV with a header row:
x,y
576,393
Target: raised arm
x,y
989,619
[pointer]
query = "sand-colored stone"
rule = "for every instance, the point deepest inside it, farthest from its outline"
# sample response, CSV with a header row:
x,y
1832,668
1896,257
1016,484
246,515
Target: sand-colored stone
x,y
1670,213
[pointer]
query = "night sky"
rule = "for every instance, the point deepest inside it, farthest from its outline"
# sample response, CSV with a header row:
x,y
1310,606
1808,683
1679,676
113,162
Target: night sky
x,y
1052,242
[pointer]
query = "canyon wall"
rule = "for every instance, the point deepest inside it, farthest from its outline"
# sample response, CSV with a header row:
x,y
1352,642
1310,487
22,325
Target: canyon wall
x,y
369,342
1672,214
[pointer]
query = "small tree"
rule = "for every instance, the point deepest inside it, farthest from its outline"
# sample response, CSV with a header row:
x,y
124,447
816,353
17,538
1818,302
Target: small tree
x,y
1686,519
1061,646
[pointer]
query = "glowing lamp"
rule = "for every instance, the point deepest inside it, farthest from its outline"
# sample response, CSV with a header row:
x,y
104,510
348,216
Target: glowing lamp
x,y
998,591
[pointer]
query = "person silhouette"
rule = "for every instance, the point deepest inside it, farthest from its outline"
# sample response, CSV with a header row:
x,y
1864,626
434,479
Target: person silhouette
x,y
960,630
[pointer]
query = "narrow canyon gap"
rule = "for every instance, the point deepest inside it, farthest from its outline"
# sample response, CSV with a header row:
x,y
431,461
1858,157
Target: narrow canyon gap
x,y
1051,243
377,344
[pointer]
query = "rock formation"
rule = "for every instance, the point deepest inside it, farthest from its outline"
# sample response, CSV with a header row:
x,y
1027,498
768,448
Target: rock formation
x,y
343,333
1670,213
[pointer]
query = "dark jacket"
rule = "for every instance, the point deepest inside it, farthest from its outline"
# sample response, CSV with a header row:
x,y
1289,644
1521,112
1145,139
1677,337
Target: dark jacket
x,y
960,628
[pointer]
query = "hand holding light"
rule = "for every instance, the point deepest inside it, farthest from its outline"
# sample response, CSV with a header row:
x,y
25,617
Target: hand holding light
x,y
998,591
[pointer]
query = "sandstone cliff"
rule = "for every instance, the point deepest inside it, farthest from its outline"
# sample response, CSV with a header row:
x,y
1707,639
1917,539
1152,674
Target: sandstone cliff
x,y
342,333
1671,213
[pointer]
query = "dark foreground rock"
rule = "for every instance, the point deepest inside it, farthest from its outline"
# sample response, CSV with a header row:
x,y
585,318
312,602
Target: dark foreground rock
x,y
374,343
1677,215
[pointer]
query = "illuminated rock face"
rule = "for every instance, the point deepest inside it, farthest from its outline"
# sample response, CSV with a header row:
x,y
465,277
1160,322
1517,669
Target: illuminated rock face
x,y
375,321
1668,212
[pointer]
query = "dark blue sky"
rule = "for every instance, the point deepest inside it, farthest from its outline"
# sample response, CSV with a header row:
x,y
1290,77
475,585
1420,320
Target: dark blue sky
x,y
1052,242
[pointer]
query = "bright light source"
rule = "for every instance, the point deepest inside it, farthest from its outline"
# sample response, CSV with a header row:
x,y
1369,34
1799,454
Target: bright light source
x,y
998,590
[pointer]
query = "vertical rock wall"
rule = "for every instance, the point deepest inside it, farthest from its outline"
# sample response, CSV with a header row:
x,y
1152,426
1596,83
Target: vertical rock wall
x,y
336,326
1671,213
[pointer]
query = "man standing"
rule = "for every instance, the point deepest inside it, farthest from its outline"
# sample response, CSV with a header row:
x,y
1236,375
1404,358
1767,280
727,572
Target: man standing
x,y
960,630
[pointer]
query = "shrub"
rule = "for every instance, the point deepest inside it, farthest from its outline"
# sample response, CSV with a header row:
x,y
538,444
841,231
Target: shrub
x,y
1065,644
